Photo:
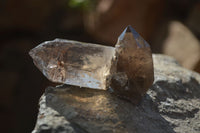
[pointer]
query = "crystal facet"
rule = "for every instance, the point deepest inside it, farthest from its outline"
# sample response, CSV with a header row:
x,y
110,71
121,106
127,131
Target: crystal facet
x,y
126,69
134,63
74,63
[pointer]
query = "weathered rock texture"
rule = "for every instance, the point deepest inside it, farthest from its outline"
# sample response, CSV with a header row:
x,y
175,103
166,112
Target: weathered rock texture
x,y
171,105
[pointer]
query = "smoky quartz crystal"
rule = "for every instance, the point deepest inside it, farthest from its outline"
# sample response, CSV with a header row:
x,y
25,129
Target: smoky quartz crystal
x,y
127,68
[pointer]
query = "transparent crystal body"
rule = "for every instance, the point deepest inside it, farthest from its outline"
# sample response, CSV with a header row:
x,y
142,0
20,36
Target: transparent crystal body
x,y
74,63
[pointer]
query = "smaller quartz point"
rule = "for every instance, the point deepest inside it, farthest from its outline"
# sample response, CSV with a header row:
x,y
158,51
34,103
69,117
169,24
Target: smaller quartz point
x,y
134,66
74,63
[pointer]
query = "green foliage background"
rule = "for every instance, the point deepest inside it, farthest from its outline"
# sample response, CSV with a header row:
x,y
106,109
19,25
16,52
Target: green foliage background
x,y
82,4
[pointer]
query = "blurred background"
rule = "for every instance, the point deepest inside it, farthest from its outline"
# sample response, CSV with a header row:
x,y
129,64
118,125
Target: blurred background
x,y
171,27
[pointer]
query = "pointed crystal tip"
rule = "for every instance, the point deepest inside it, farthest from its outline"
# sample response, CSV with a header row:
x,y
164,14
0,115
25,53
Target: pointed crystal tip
x,y
129,28
130,32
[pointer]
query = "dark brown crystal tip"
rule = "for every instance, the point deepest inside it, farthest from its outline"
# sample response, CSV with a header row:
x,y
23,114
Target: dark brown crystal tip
x,y
136,36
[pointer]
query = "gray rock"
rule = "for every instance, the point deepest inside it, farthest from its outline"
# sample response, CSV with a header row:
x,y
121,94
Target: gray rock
x,y
171,105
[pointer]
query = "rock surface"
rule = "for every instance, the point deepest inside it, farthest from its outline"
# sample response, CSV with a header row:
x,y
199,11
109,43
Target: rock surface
x,y
171,105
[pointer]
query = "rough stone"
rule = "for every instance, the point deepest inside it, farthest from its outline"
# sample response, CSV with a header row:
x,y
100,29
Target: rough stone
x,y
182,44
171,105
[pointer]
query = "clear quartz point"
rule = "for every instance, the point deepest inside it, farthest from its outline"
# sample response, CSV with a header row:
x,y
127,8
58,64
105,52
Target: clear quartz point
x,y
74,63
